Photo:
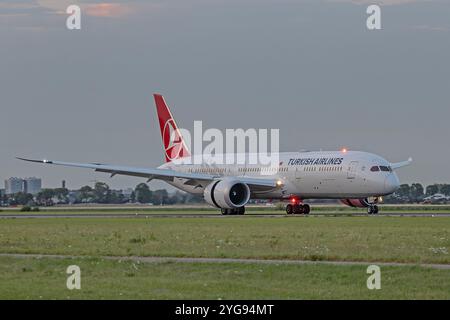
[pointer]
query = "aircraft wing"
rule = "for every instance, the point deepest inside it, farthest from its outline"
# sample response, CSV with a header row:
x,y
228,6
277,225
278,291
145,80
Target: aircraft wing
x,y
401,164
255,184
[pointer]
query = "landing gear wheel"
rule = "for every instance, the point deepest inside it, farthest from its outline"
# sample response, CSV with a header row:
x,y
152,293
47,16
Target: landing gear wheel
x,y
224,211
289,209
298,209
372,209
241,210
306,209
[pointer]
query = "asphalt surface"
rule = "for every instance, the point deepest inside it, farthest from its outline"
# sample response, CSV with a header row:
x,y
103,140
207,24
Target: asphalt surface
x,y
207,215
230,260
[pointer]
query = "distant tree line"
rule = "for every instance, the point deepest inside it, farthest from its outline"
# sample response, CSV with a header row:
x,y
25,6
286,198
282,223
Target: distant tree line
x,y
101,193
416,193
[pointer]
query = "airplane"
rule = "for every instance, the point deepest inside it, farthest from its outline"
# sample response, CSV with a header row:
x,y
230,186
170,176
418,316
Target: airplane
x,y
436,198
358,179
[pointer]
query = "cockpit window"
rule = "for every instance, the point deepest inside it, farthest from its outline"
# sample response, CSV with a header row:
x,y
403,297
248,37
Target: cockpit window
x,y
385,169
375,168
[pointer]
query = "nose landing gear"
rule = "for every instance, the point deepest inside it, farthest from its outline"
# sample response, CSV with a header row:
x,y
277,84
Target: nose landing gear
x,y
372,209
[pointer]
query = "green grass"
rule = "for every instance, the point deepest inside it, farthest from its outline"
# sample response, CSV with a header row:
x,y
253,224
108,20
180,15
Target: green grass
x,y
29,278
384,239
388,239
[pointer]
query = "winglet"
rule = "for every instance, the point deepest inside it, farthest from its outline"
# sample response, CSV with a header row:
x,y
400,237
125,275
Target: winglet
x,y
36,161
401,164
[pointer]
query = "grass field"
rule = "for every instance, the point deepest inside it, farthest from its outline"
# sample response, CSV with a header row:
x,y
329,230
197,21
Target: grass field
x,y
369,239
105,279
398,239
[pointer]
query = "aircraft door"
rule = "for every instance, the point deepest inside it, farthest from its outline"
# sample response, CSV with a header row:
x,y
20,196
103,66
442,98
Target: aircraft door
x,y
351,172
298,175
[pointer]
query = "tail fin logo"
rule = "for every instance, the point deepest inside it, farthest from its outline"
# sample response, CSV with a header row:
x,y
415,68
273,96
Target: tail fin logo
x,y
173,143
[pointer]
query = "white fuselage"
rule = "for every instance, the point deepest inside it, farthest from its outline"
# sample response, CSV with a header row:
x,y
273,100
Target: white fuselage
x,y
323,174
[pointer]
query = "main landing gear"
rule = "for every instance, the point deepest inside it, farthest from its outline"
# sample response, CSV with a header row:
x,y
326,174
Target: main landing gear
x,y
372,209
237,211
298,208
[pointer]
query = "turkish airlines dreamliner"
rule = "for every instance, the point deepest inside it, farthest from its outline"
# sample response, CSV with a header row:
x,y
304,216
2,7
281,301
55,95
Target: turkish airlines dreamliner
x,y
356,178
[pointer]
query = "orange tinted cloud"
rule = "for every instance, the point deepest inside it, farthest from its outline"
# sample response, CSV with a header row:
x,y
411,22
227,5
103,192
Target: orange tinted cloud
x,y
107,10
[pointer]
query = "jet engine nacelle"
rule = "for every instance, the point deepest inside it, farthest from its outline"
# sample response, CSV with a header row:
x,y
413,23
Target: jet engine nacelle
x,y
360,203
227,193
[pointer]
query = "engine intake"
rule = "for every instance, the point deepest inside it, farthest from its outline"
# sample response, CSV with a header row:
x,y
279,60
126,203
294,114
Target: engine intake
x,y
227,193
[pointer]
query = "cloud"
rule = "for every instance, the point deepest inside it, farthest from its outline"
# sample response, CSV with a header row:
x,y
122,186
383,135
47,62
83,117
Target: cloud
x,y
97,9
121,8
19,7
93,8
431,28
57,5
380,2
16,14
107,10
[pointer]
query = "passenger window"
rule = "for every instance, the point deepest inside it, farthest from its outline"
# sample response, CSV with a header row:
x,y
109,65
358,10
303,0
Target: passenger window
x,y
374,169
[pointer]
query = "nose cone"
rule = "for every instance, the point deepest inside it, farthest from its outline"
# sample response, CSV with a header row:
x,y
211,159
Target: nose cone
x,y
391,183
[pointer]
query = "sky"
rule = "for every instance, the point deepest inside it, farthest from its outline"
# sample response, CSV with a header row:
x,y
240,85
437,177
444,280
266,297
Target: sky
x,y
308,67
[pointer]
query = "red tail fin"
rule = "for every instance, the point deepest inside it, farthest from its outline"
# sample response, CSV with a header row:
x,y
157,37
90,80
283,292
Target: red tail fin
x,y
173,142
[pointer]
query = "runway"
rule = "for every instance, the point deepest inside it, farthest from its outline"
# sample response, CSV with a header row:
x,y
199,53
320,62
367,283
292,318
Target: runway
x,y
210,215
230,260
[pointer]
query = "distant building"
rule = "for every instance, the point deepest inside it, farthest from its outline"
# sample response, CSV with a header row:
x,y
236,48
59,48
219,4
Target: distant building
x,y
27,185
127,192
32,185
14,185
2,193
73,196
